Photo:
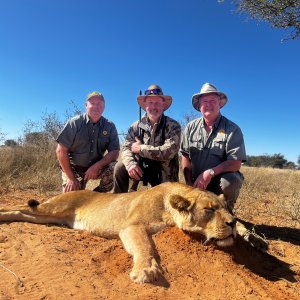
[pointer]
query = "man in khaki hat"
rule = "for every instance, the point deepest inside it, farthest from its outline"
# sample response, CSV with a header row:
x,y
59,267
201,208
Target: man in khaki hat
x,y
213,147
150,151
82,144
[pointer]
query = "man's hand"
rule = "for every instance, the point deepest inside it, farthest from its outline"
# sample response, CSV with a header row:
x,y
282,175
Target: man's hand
x,y
92,172
72,185
135,172
203,180
136,146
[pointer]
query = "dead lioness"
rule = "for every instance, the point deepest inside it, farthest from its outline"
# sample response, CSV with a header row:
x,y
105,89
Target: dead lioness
x,y
134,217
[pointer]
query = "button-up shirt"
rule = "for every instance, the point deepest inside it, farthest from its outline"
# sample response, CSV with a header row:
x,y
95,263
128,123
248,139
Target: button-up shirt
x,y
207,150
88,141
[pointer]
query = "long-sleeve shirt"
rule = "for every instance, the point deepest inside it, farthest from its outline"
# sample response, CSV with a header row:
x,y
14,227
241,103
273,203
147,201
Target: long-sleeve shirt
x,y
160,143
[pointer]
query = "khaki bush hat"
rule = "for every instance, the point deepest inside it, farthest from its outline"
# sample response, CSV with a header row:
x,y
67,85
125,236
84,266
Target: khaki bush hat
x,y
154,90
94,94
208,88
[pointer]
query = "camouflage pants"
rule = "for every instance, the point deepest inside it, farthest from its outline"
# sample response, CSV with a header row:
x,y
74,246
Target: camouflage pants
x,y
105,176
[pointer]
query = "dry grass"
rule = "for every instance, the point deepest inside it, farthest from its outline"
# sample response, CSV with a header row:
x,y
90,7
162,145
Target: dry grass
x,y
29,167
271,192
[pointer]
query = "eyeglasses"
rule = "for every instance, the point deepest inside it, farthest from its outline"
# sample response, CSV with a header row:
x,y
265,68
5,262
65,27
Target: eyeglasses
x,y
153,92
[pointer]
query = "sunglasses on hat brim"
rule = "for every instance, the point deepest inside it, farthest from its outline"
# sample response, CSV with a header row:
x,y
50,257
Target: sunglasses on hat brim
x,y
153,92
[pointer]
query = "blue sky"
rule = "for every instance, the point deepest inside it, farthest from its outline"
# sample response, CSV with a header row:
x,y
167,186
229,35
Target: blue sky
x,y
54,52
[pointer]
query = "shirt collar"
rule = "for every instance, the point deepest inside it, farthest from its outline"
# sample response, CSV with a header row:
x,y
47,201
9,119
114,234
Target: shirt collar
x,y
216,123
146,124
87,120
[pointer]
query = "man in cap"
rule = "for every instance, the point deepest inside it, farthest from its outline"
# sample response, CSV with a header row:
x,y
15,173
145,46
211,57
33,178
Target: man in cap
x,y
213,147
150,151
88,147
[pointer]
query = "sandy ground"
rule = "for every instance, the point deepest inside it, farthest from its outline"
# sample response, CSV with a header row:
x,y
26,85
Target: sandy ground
x,y
51,262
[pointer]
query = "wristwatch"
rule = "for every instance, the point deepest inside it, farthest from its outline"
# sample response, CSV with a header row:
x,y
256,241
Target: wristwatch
x,y
211,172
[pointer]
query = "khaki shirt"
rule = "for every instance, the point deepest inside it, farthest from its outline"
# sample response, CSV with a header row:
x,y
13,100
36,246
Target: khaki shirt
x,y
225,142
88,141
153,147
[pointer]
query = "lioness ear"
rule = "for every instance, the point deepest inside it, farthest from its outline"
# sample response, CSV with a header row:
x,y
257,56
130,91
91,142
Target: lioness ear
x,y
180,203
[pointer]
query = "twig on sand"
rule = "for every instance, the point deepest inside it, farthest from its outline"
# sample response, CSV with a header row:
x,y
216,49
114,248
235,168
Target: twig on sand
x,y
20,282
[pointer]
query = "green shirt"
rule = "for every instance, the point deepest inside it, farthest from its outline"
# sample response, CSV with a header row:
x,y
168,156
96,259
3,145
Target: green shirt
x,y
87,141
225,142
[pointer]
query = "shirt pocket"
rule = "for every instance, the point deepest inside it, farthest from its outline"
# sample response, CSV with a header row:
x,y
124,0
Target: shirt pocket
x,y
104,139
196,146
218,146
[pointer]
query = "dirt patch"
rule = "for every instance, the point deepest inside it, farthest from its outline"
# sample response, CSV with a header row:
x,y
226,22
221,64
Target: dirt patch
x,y
52,262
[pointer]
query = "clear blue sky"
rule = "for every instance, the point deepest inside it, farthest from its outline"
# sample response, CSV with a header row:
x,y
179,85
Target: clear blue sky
x,y
52,52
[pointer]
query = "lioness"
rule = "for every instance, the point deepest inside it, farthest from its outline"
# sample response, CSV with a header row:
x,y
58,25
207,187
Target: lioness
x,y
134,217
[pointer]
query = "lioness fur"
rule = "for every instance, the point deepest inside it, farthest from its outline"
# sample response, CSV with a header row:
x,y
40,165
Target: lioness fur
x,y
134,217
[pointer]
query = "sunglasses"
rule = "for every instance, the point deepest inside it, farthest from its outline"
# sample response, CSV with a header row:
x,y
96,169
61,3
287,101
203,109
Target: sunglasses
x,y
153,92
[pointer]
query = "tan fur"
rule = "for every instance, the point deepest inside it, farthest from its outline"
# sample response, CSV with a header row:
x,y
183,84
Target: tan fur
x,y
134,217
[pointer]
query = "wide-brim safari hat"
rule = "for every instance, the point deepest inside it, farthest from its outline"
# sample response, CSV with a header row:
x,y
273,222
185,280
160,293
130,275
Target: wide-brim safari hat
x,y
208,88
154,90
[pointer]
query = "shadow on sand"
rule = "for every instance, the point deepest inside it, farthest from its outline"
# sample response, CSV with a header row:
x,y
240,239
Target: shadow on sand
x,y
286,234
260,263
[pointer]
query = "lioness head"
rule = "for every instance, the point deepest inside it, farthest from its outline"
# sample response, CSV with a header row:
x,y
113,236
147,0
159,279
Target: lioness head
x,y
205,213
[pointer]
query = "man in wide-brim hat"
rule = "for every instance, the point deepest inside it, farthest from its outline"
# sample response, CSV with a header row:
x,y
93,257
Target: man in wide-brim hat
x,y
150,151
213,147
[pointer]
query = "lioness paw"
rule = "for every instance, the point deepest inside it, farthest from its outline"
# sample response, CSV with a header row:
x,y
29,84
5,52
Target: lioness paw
x,y
144,274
